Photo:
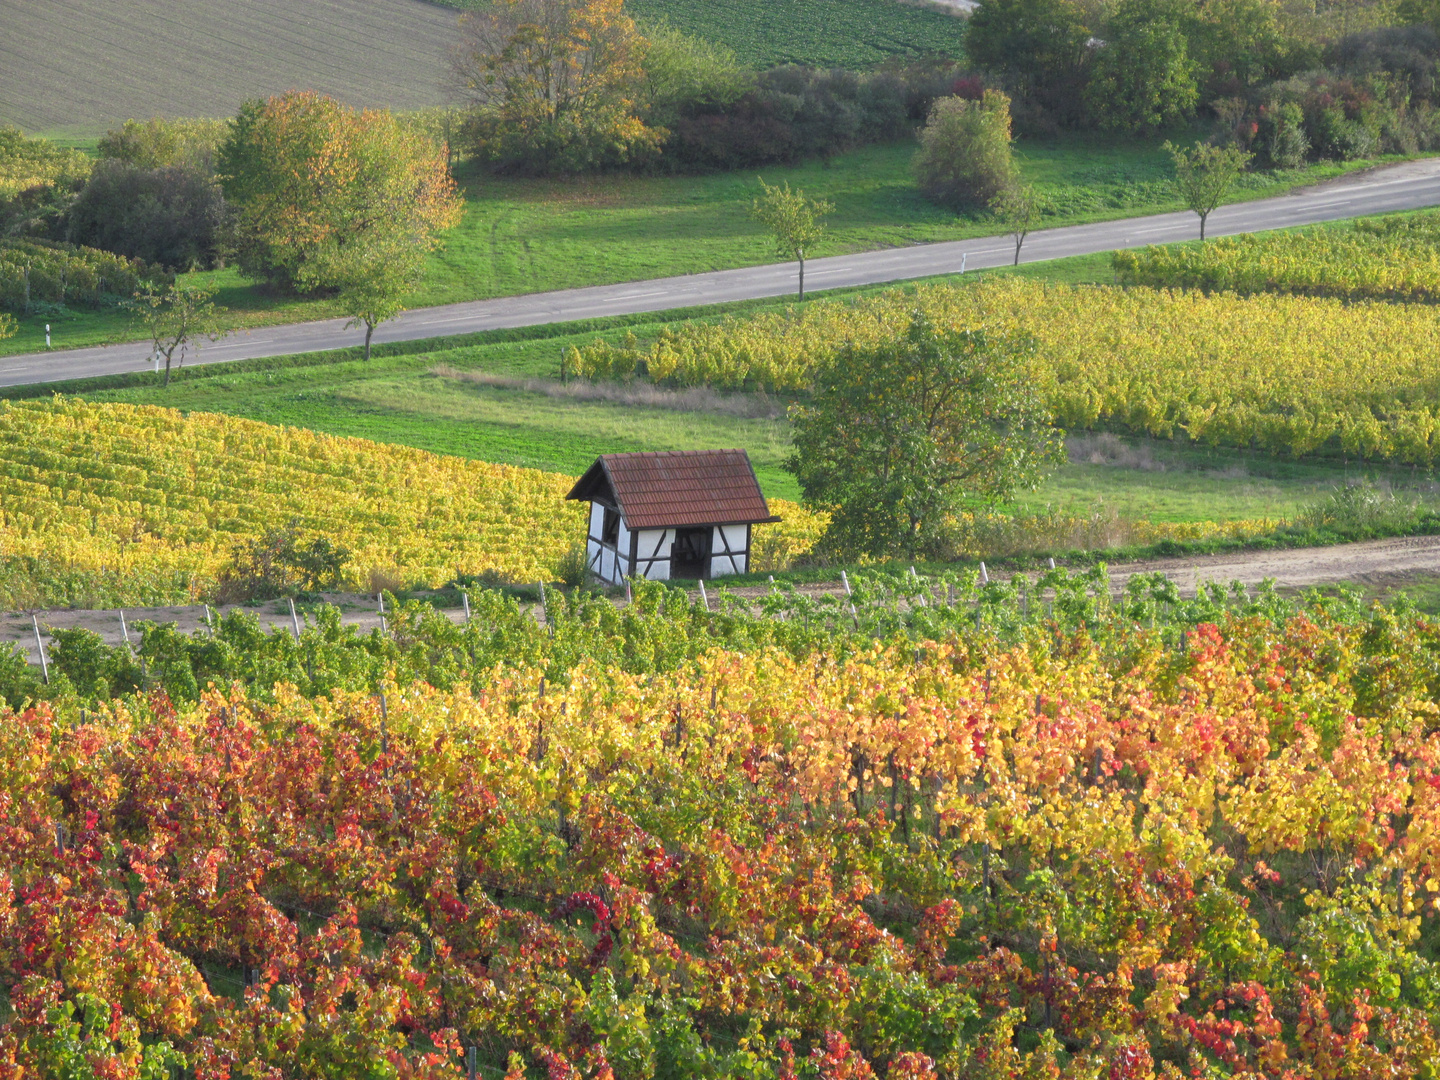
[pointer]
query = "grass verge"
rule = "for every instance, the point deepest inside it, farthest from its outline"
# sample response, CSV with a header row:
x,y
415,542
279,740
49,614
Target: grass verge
x,y
522,236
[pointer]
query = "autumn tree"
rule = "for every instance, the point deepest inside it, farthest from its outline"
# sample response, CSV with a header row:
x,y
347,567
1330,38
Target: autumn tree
x,y
898,436
553,85
175,318
328,199
1204,175
792,220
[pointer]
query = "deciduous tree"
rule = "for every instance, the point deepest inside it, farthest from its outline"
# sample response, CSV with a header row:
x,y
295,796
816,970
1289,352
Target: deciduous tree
x,y
1038,45
900,435
175,318
1019,208
553,84
1143,77
793,220
318,188
1204,175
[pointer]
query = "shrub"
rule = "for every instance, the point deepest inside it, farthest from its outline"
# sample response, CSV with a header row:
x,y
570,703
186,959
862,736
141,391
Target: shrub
x,y
280,563
684,74
1281,136
172,216
965,158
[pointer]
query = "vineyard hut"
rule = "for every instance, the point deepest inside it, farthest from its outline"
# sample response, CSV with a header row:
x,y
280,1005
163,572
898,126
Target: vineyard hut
x,y
685,514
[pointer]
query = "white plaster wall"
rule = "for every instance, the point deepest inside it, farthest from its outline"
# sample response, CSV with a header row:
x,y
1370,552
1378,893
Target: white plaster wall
x,y
720,563
657,541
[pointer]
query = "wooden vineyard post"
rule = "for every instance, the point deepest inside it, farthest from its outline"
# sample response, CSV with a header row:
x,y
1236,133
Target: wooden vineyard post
x,y
40,646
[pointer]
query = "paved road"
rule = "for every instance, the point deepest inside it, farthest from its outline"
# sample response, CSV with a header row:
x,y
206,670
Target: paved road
x,y
1408,186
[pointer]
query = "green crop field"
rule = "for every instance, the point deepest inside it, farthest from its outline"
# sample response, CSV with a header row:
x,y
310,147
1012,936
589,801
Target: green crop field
x,y
826,33
77,67
521,236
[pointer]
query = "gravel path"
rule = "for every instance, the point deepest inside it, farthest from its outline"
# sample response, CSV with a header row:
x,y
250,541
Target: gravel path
x,y
1375,562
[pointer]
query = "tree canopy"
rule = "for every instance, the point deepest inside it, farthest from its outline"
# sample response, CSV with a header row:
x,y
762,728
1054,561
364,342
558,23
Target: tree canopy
x,y
792,220
554,84
899,436
319,190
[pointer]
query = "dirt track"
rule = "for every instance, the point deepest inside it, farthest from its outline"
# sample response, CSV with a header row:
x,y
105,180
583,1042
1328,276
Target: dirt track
x,y
1375,562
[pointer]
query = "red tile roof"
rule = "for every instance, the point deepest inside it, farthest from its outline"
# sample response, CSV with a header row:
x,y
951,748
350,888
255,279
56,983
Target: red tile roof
x,y
677,488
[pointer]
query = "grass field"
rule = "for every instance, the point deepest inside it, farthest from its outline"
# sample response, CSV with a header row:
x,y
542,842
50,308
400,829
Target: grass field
x,y
521,236
76,67
498,401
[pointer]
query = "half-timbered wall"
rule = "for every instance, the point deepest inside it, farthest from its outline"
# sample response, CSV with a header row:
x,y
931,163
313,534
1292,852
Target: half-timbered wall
x,y
607,562
652,553
729,550
647,553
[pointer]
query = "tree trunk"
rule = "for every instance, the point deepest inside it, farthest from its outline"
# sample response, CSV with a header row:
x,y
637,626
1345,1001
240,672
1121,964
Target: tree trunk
x,y
167,368
802,277
1018,241
1202,225
369,329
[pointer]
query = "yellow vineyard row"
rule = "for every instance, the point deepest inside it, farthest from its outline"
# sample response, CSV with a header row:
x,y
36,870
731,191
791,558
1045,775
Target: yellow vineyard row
x,y
1386,260
138,490
1284,373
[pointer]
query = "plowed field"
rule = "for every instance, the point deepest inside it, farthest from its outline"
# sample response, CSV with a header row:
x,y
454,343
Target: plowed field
x,y
82,66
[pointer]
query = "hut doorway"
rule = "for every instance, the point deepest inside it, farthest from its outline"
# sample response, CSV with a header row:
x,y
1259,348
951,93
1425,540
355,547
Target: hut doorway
x,y
691,554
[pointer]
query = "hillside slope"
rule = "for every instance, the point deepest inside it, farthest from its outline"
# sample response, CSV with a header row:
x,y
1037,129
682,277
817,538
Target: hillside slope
x,y
81,66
